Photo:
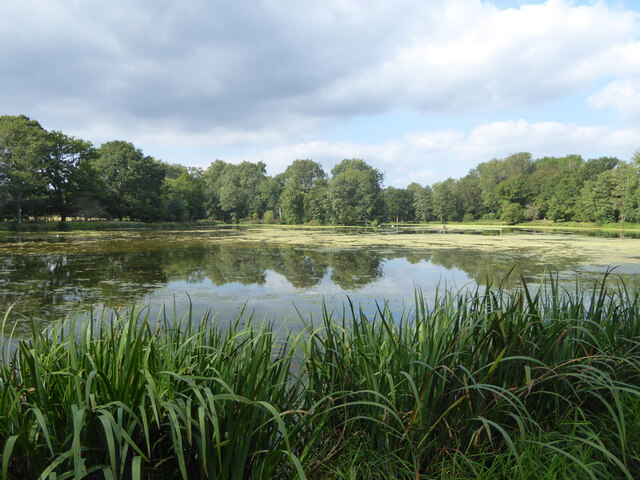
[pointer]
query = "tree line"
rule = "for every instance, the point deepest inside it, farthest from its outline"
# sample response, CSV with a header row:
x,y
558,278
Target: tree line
x,y
45,174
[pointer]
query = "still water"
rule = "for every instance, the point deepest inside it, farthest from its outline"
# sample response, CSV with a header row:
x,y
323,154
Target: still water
x,y
46,276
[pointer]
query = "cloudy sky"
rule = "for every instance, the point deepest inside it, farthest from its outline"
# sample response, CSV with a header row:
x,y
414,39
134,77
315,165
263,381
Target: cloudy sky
x,y
421,89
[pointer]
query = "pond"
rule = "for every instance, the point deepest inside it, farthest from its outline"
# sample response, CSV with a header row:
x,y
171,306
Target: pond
x,y
275,272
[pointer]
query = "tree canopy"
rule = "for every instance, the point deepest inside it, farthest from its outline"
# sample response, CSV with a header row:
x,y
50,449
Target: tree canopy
x,y
50,174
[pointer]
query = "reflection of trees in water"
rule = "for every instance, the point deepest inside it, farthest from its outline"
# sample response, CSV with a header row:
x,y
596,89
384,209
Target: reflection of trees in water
x,y
50,284
225,264
483,266
355,268
301,267
43,283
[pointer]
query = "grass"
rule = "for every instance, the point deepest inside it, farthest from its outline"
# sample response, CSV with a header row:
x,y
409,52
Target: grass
x,y
56,225
487,384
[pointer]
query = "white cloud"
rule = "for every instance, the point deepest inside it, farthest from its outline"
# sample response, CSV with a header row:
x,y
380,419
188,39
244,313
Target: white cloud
x,y
623,96
266,78
480,57
430,156
211,64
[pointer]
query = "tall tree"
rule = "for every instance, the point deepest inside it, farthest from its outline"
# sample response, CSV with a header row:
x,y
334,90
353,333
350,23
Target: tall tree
x,y
303,174
355,192
398,204
469,195
445,201
24,146
237,188
601,200
548,186
318,202
491,174
186,195
299,177
212,186
631,202
68,172
270,192
422,202
134,181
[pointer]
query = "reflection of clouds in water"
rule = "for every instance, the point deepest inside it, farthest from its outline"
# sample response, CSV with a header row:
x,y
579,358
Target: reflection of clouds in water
x,y
326,286
277,298
270,279
400,273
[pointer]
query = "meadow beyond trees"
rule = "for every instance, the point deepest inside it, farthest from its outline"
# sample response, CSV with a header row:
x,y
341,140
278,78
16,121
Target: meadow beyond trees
x,y
48,174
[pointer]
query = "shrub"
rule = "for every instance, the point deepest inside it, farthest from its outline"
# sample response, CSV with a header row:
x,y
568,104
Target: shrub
x,y
269,217
512,213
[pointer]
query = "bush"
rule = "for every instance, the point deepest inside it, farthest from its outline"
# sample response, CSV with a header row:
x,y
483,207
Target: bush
x,y
512,213
269,217
63,227
531,212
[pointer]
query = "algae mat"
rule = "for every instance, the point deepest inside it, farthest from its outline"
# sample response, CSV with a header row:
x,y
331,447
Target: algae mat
x,y
549,246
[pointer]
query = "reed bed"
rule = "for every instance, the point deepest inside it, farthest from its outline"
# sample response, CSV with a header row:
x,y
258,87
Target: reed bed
x,y
483,384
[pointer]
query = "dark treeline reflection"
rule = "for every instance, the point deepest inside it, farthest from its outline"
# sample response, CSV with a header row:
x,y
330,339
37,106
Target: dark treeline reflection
x,y
44,286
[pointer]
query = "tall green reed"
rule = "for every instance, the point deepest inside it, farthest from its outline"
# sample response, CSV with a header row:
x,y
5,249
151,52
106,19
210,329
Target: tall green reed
x,y
474,384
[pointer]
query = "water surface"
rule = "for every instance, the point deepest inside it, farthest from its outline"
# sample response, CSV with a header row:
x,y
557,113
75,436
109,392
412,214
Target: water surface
x,y
226,271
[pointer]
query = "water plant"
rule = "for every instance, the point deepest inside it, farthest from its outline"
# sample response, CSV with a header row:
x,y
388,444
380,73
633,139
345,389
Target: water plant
x,y
482,384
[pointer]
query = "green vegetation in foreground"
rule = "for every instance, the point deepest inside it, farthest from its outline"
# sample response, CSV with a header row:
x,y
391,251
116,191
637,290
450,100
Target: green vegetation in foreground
x,y
475,385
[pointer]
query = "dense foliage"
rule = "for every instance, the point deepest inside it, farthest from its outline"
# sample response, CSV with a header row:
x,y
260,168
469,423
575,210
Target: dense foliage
x,y
487,384
46,174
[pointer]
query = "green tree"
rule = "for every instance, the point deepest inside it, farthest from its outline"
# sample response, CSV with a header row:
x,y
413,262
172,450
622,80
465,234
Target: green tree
x,y
551,173
237,187
398,204
299,178
292,201
491,174
134,181
186,195
445,201
303,174
561,205
512,213
631,201
601,200
270,191
469,194
422,202
69,172
24,146
318,202
355,192
212,185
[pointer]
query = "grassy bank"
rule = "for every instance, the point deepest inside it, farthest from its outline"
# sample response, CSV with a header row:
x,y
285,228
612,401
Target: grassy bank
x,y
474,385
111,225
100,225
532,225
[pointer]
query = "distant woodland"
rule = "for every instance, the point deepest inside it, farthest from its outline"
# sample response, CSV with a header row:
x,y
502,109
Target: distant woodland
x,y
48,174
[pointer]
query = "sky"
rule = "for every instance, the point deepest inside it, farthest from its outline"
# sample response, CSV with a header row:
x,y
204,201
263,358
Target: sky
x,y
420,89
